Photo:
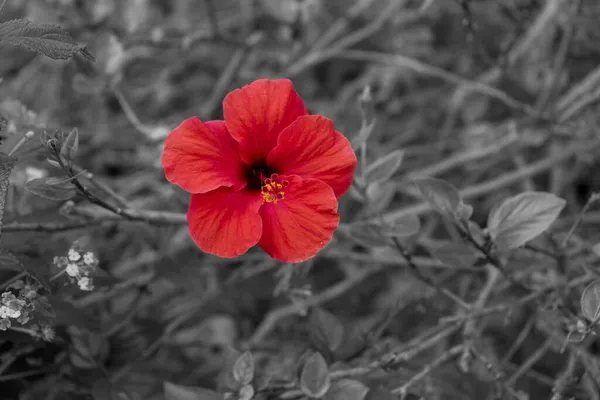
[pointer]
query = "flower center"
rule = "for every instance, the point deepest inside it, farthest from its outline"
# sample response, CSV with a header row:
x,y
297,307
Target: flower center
x,y
256,176
272,189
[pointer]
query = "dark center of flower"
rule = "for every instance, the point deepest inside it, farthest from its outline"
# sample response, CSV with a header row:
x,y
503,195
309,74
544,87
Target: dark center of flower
x,y
256,176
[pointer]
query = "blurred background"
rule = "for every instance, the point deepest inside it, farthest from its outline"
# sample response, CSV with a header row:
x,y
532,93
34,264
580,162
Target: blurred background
x,y
496,97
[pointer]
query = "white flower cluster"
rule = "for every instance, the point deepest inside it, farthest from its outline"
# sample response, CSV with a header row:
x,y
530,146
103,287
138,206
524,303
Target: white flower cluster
x,y
78,266
13,308
17,304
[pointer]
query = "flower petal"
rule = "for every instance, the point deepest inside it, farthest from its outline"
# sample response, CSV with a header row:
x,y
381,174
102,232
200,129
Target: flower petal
x,y
258,112
311,148
296,227
225,222
201,157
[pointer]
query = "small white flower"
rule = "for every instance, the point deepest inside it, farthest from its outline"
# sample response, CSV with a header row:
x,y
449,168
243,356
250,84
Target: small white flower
x,y
72,270
74,255
47,333
85,284
89,258
7,312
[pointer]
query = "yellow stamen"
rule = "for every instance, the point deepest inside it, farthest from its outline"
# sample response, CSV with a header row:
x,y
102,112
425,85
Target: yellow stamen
x,y
271,190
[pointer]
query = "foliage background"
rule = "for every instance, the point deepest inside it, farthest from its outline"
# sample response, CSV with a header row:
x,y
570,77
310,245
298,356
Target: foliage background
x,y
496,97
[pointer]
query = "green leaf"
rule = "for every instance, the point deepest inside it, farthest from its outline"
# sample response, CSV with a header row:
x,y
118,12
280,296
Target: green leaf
x,y
325,330
590,301
403,227
41,188
382,169
49,40
173,391
347,389
454,254
70,145
314,379
6,165
523,217
441,195
243,369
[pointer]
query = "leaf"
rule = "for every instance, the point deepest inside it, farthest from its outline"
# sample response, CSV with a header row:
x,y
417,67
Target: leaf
x,y
9,261
590,301
402,227
455,254
88,349
243,369
173,391
246,392
347,389
60,181
382,394
440,194
523,217
102,389
382,169
380,195
6,165
325,330
367,234
70,145
363,135
49,40
314,379
41,188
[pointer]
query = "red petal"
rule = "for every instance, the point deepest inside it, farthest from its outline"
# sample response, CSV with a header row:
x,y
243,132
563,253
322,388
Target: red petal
x,y
311,148
257,113
302,223
224,222
201,157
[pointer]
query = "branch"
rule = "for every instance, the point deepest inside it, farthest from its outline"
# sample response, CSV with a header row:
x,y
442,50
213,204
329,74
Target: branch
x,y
447,355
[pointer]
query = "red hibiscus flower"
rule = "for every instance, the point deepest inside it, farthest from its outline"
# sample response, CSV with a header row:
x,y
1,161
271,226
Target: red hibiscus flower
x,y
269,174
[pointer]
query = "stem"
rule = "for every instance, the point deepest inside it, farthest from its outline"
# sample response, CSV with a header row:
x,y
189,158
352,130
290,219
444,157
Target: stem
x,y
2,6
593,198
447,355
212,17
417,273
13,279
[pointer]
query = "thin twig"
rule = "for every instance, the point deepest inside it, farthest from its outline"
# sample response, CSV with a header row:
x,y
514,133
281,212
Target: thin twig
x,y
212,17
530,362
592,199
417,66
406,353
470,327
2,5
274,316
447,355
229,74
101,186
419,275
502,181
144,129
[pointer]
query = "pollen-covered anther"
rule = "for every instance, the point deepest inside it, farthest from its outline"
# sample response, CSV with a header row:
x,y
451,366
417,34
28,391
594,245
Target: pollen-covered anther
x,y
271,190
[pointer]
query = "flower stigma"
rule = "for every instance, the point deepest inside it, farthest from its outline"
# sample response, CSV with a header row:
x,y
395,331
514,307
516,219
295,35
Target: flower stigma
x,y
271,189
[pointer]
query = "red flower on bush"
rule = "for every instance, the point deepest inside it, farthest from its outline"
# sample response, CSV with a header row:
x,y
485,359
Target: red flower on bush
x,y
269,174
